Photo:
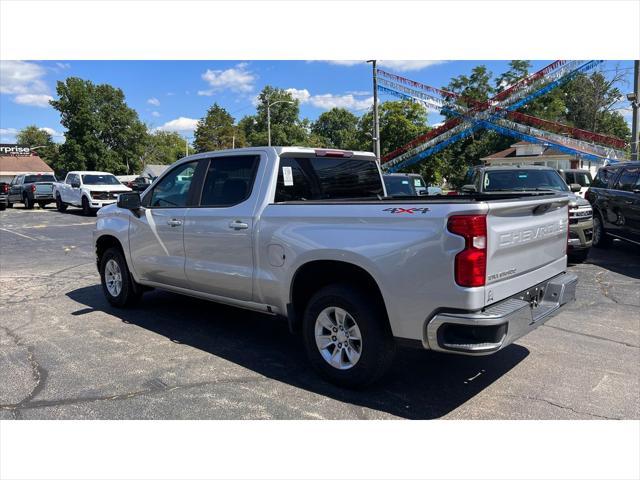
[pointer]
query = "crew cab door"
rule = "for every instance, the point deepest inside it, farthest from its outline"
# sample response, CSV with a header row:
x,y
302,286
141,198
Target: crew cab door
x,y
626,203
15,189
156,235
71,191
218,231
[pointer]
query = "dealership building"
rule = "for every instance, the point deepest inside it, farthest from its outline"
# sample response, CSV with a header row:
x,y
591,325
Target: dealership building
x,y
18,159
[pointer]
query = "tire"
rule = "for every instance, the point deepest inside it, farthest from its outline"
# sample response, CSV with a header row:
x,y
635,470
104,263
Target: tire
x,y
113,266
42,204
60,205
86,208
28,203
2,207
9,205
578,256
376,346
600,237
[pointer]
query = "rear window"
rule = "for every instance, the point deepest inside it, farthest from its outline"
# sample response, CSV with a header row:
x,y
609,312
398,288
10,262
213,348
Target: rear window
x,y
326,178
39,178
628,179
399,186
505,180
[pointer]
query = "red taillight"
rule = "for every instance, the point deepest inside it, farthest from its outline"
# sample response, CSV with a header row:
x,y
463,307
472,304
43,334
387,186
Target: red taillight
x,y
4,188
334,153
471,263
33,188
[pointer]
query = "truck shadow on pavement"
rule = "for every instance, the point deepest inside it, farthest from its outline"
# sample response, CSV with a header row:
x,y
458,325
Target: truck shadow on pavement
x,y
421,384
620,257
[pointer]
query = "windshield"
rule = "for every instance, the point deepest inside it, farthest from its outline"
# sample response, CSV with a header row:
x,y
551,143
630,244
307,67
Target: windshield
x,y
95,179
505,180
581,178
39,178
399,186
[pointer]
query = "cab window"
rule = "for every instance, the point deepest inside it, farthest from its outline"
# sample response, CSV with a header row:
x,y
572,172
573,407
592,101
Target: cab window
x,y
628,179
229,180
173,190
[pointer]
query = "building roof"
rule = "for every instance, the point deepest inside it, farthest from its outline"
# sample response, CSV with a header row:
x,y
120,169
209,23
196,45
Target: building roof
x,y
17,164
154,170
511,152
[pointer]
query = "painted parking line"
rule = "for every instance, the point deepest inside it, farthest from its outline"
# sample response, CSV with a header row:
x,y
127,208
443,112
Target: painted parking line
x,y
19,234
62,225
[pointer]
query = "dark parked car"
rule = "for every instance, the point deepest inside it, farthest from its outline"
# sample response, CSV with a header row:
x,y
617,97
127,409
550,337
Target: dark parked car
x,y
140,184
32,188
615,197
4,190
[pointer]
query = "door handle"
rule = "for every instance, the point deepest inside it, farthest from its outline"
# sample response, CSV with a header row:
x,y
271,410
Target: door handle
x,y
174,222
238,225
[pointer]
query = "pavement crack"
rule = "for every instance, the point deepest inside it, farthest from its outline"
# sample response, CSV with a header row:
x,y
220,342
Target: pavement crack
x,y
564,407
606,290
155,389
597,337
38,372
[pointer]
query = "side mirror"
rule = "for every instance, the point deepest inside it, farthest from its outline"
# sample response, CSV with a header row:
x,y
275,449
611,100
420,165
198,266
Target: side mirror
x,y
75,185
129,200
575,187
469,188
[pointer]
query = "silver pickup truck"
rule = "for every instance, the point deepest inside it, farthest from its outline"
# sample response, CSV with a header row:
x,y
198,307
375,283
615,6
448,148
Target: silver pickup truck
x,y
310,235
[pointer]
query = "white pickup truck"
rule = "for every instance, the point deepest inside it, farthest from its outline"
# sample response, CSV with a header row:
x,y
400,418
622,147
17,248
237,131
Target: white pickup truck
x,y
311,236
87,190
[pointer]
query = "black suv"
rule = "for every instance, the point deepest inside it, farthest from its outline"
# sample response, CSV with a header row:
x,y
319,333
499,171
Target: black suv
x,y
615,197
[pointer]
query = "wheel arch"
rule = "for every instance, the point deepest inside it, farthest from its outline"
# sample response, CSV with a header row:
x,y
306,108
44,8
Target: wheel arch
x,y
104,243
316,274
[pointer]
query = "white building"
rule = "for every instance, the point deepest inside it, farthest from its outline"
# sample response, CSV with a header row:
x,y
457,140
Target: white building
x,y
525,153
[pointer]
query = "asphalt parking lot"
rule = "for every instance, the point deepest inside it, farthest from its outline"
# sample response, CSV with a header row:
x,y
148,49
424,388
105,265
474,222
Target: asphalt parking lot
x,y
67,354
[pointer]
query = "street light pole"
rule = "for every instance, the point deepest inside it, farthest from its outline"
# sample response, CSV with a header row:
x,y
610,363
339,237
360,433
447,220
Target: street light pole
x,y
376,119
635,106
269,105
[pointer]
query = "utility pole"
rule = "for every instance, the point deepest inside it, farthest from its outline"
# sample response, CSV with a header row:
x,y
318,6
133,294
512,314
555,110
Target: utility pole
x,y
186,146
635,106
376,119
268,122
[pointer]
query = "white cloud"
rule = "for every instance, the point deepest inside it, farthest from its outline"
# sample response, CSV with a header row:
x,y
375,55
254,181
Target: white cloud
x,y
8,135
54,133
155,114
63,66
180,124
236,79
399,65
327,101
33,99
153,101
25,81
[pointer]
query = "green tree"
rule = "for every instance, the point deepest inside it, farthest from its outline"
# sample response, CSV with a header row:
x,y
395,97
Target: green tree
x,y
103,133
475,87
162,148
32,136
518,69
400,122
216,131
336,128
286,127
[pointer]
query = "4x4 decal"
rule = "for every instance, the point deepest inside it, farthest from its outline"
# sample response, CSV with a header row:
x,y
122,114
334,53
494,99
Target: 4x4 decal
x,y
410,211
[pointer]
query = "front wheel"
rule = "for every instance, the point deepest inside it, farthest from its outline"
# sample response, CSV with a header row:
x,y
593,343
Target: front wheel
x,y
347,338
117,283
86,208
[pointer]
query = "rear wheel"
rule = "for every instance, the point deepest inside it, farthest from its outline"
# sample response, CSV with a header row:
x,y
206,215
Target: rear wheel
x,y
600,237
117,283
28,203
60,205
347,339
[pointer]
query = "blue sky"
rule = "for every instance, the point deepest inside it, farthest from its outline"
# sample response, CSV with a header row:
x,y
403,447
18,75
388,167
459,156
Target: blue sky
x,y
172,95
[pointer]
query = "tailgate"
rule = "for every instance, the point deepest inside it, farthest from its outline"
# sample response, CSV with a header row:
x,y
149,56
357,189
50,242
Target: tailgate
x,y
44,188
526,243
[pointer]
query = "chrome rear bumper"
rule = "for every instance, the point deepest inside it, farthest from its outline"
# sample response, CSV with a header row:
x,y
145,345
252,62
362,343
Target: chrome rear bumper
x,y
499,325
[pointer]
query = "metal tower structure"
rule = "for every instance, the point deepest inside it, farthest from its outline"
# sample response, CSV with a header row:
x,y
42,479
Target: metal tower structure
x,y
498,114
